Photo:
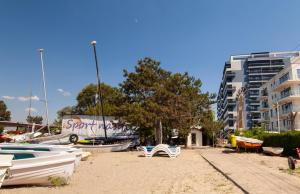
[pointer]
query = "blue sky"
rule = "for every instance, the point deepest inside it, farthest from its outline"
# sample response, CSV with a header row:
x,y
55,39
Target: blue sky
x,y
193,36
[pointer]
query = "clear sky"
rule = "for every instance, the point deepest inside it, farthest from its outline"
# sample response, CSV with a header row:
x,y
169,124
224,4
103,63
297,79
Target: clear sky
x,y
194,36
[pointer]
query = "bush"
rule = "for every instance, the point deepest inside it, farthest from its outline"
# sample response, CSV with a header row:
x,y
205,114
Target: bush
x,y
288,140
58,181
257,133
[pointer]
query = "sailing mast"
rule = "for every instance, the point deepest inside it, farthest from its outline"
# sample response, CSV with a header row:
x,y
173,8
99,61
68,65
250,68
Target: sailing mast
x,y
29,110
45,92
99,87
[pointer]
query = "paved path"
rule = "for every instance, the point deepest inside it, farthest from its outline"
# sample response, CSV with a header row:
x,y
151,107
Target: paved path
x,y
252,177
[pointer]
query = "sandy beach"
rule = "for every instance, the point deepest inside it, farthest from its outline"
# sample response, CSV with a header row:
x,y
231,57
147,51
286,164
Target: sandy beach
x,y
129,172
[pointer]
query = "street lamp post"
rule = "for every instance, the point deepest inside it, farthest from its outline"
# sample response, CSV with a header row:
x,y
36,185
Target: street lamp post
x,y
278,123
99,87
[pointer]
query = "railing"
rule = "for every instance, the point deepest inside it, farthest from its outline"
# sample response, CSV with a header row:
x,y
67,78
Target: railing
x,y
229,73
264,106
278,83
263,71
290,93
292,108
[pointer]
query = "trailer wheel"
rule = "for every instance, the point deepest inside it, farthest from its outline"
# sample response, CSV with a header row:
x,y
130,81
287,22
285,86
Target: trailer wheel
x,y
291,163
73,138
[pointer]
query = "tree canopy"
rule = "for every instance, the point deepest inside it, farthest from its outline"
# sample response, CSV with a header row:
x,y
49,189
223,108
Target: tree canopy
x,y
153,95
87,100
4,113
152,99
34,119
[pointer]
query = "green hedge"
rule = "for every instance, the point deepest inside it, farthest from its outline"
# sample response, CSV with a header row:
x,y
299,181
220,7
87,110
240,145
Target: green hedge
x,y
288,140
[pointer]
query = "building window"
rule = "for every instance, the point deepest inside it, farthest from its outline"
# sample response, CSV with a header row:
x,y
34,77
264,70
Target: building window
x,y
285,93
298,73
272,125
284,78
287,108
271,112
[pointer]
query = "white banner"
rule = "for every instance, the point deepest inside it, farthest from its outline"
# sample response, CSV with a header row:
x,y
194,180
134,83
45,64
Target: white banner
x,y
92,126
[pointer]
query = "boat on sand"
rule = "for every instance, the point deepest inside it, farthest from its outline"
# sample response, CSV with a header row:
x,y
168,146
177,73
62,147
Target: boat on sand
x,y
273,151
5,163
41,170
248,143
104,148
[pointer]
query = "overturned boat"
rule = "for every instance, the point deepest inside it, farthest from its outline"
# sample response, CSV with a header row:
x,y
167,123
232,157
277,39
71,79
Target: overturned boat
x,y
39,170
5,163
273,151
248,143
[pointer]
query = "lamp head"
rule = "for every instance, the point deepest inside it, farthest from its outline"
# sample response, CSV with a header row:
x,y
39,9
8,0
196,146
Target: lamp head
x,y
40,50
94,42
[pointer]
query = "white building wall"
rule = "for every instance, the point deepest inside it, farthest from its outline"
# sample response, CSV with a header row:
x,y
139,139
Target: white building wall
x,y
199,140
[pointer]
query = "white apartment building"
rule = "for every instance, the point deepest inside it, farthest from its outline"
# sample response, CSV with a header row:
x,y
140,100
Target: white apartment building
x,y
239,91
280,99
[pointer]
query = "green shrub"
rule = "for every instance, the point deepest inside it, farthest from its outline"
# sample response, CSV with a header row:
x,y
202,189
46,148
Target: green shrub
x,y
58,181
257,133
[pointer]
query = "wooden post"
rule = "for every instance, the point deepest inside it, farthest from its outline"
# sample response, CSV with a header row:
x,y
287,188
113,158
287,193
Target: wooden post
x,y
158,132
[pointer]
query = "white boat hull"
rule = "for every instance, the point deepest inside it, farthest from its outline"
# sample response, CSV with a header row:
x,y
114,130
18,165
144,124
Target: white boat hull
x,y
42,149
5,163
38,171
276,151
104,148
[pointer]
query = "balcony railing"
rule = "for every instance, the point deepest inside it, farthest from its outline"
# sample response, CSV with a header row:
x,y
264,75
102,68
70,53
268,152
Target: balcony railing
x,y
264,106
290,93
262,71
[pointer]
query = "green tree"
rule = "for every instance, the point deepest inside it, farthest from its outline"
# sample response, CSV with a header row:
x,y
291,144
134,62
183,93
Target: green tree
x,y
68,110
88,104
4,113
210,126
34,119
157,99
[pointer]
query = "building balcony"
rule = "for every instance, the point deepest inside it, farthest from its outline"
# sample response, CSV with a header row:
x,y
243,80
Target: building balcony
x,y
291,96
229,74
285,84
264,109
263,97
256,81
265,119
261,72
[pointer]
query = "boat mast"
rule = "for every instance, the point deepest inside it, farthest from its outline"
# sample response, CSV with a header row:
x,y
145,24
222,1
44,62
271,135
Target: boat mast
x,y
99,87
45,92
29,110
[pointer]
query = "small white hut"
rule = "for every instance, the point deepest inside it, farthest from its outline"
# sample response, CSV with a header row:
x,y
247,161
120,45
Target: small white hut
x,y
195,138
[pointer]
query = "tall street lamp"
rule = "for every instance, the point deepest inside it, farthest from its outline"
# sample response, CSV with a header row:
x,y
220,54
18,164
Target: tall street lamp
x,y
99,87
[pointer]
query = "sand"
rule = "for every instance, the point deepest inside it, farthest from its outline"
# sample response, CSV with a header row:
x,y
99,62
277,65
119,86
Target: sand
x,y
129,172
255,173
